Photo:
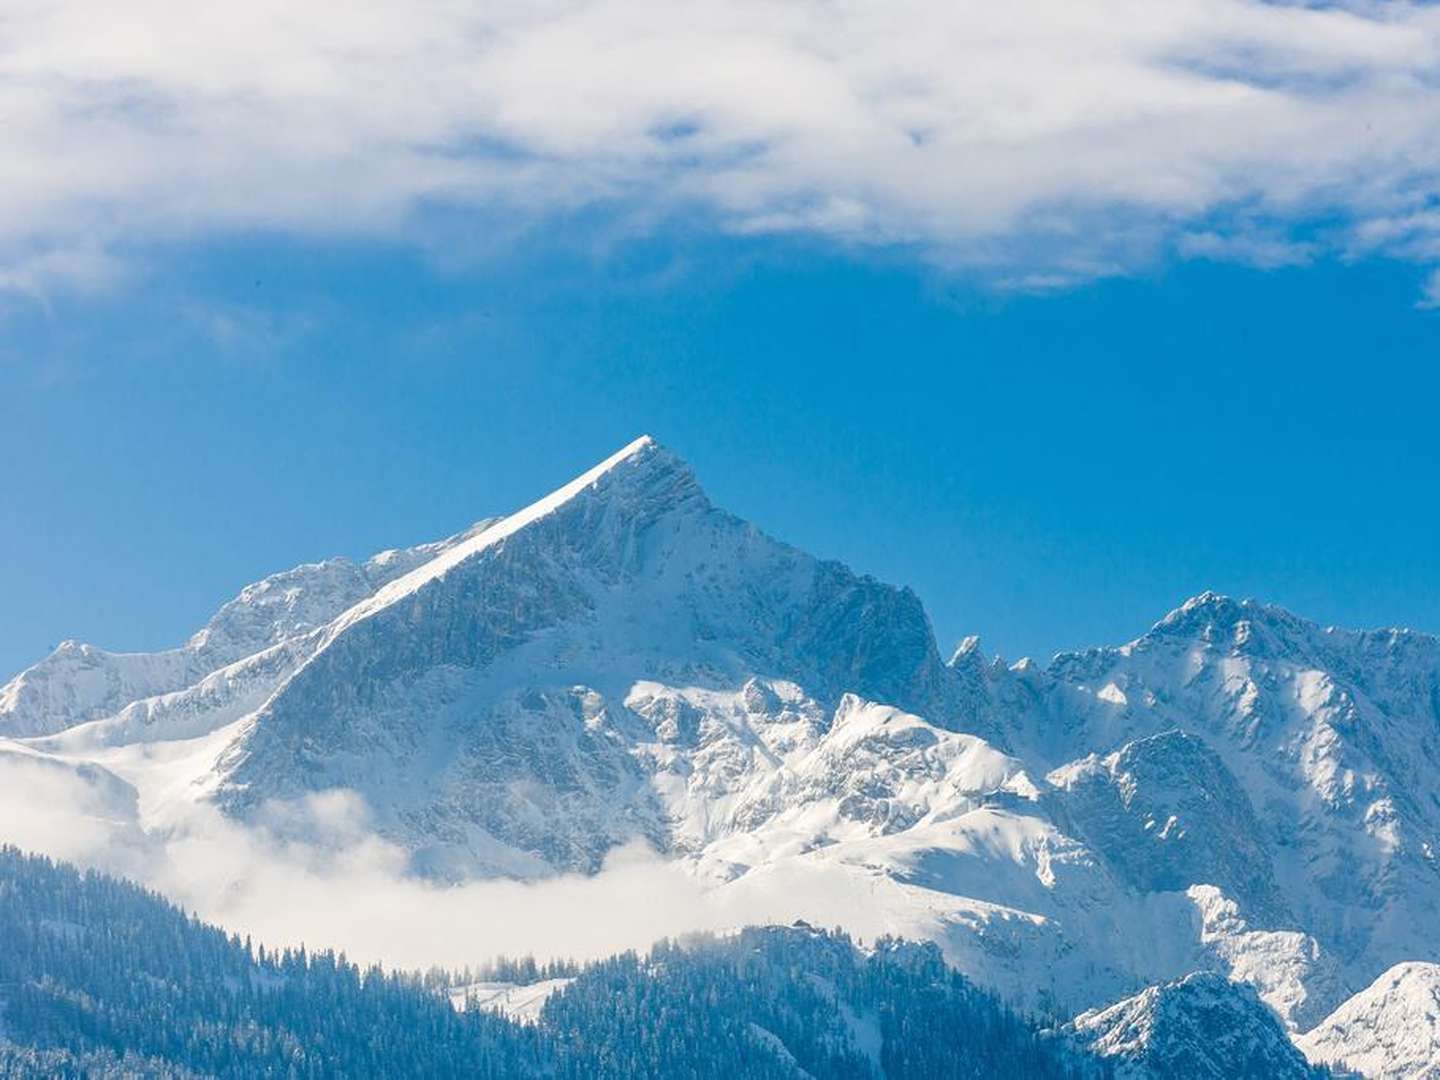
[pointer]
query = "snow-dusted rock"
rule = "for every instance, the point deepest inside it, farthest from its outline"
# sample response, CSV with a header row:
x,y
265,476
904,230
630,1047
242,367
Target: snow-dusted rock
x,y
1390,1030
1333,736
1166,813
1196,1027
80,682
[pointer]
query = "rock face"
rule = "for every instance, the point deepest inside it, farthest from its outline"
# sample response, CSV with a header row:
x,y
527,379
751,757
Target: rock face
x,y
1199,1026
1237,790
1391,1029
1166,814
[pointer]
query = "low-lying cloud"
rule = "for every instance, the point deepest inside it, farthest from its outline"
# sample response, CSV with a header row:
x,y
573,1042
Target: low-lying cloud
x,y
1039,141
315,873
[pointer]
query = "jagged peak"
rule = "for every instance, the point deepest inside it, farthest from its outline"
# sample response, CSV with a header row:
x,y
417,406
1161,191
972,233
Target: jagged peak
x,y
1390,1029
1208,606
1245,624
967,652
1249,627
1202,617
1254,627
1217,610
641,466
1171,1030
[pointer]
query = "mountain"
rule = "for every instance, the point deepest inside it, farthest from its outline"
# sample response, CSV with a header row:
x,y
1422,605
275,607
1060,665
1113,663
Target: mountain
x,y
492,681
1199,1026
1391,1029
1333,736
1237,790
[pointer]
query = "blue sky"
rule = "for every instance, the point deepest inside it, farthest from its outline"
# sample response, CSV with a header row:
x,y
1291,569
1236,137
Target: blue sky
x,y
1049,470
1059,313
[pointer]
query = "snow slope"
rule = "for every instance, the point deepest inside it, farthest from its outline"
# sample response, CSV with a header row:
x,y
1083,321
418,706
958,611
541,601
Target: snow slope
x,y
1391,1029
517,1001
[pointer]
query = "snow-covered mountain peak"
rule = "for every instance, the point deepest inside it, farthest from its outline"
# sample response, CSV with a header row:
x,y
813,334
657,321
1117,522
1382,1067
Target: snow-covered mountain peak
x,y
1206,605
79,682
627,490
1200,1026
1221,625
1226,625
1390,1030
537,632
281,606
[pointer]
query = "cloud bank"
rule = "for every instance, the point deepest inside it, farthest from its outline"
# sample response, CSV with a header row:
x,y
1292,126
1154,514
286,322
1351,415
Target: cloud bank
x,y
314,873
1038,141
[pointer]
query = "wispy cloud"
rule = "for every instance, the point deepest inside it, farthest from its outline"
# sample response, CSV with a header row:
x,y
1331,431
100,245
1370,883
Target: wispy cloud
x,y
1037,140
1430,292
1251,248
314,872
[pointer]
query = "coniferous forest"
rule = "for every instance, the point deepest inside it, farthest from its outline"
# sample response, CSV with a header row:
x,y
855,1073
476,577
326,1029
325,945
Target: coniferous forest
x,y
100,978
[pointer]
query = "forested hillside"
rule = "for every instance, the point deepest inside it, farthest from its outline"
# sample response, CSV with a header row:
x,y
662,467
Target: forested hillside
x,y
100,978
96,966
793,1001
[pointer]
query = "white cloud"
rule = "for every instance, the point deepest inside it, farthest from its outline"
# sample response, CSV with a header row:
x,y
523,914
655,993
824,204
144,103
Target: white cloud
x,y
314,872
1250,248
1038,139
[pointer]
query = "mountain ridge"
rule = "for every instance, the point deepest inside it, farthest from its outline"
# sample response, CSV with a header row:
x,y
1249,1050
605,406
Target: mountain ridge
x,y
1236,790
